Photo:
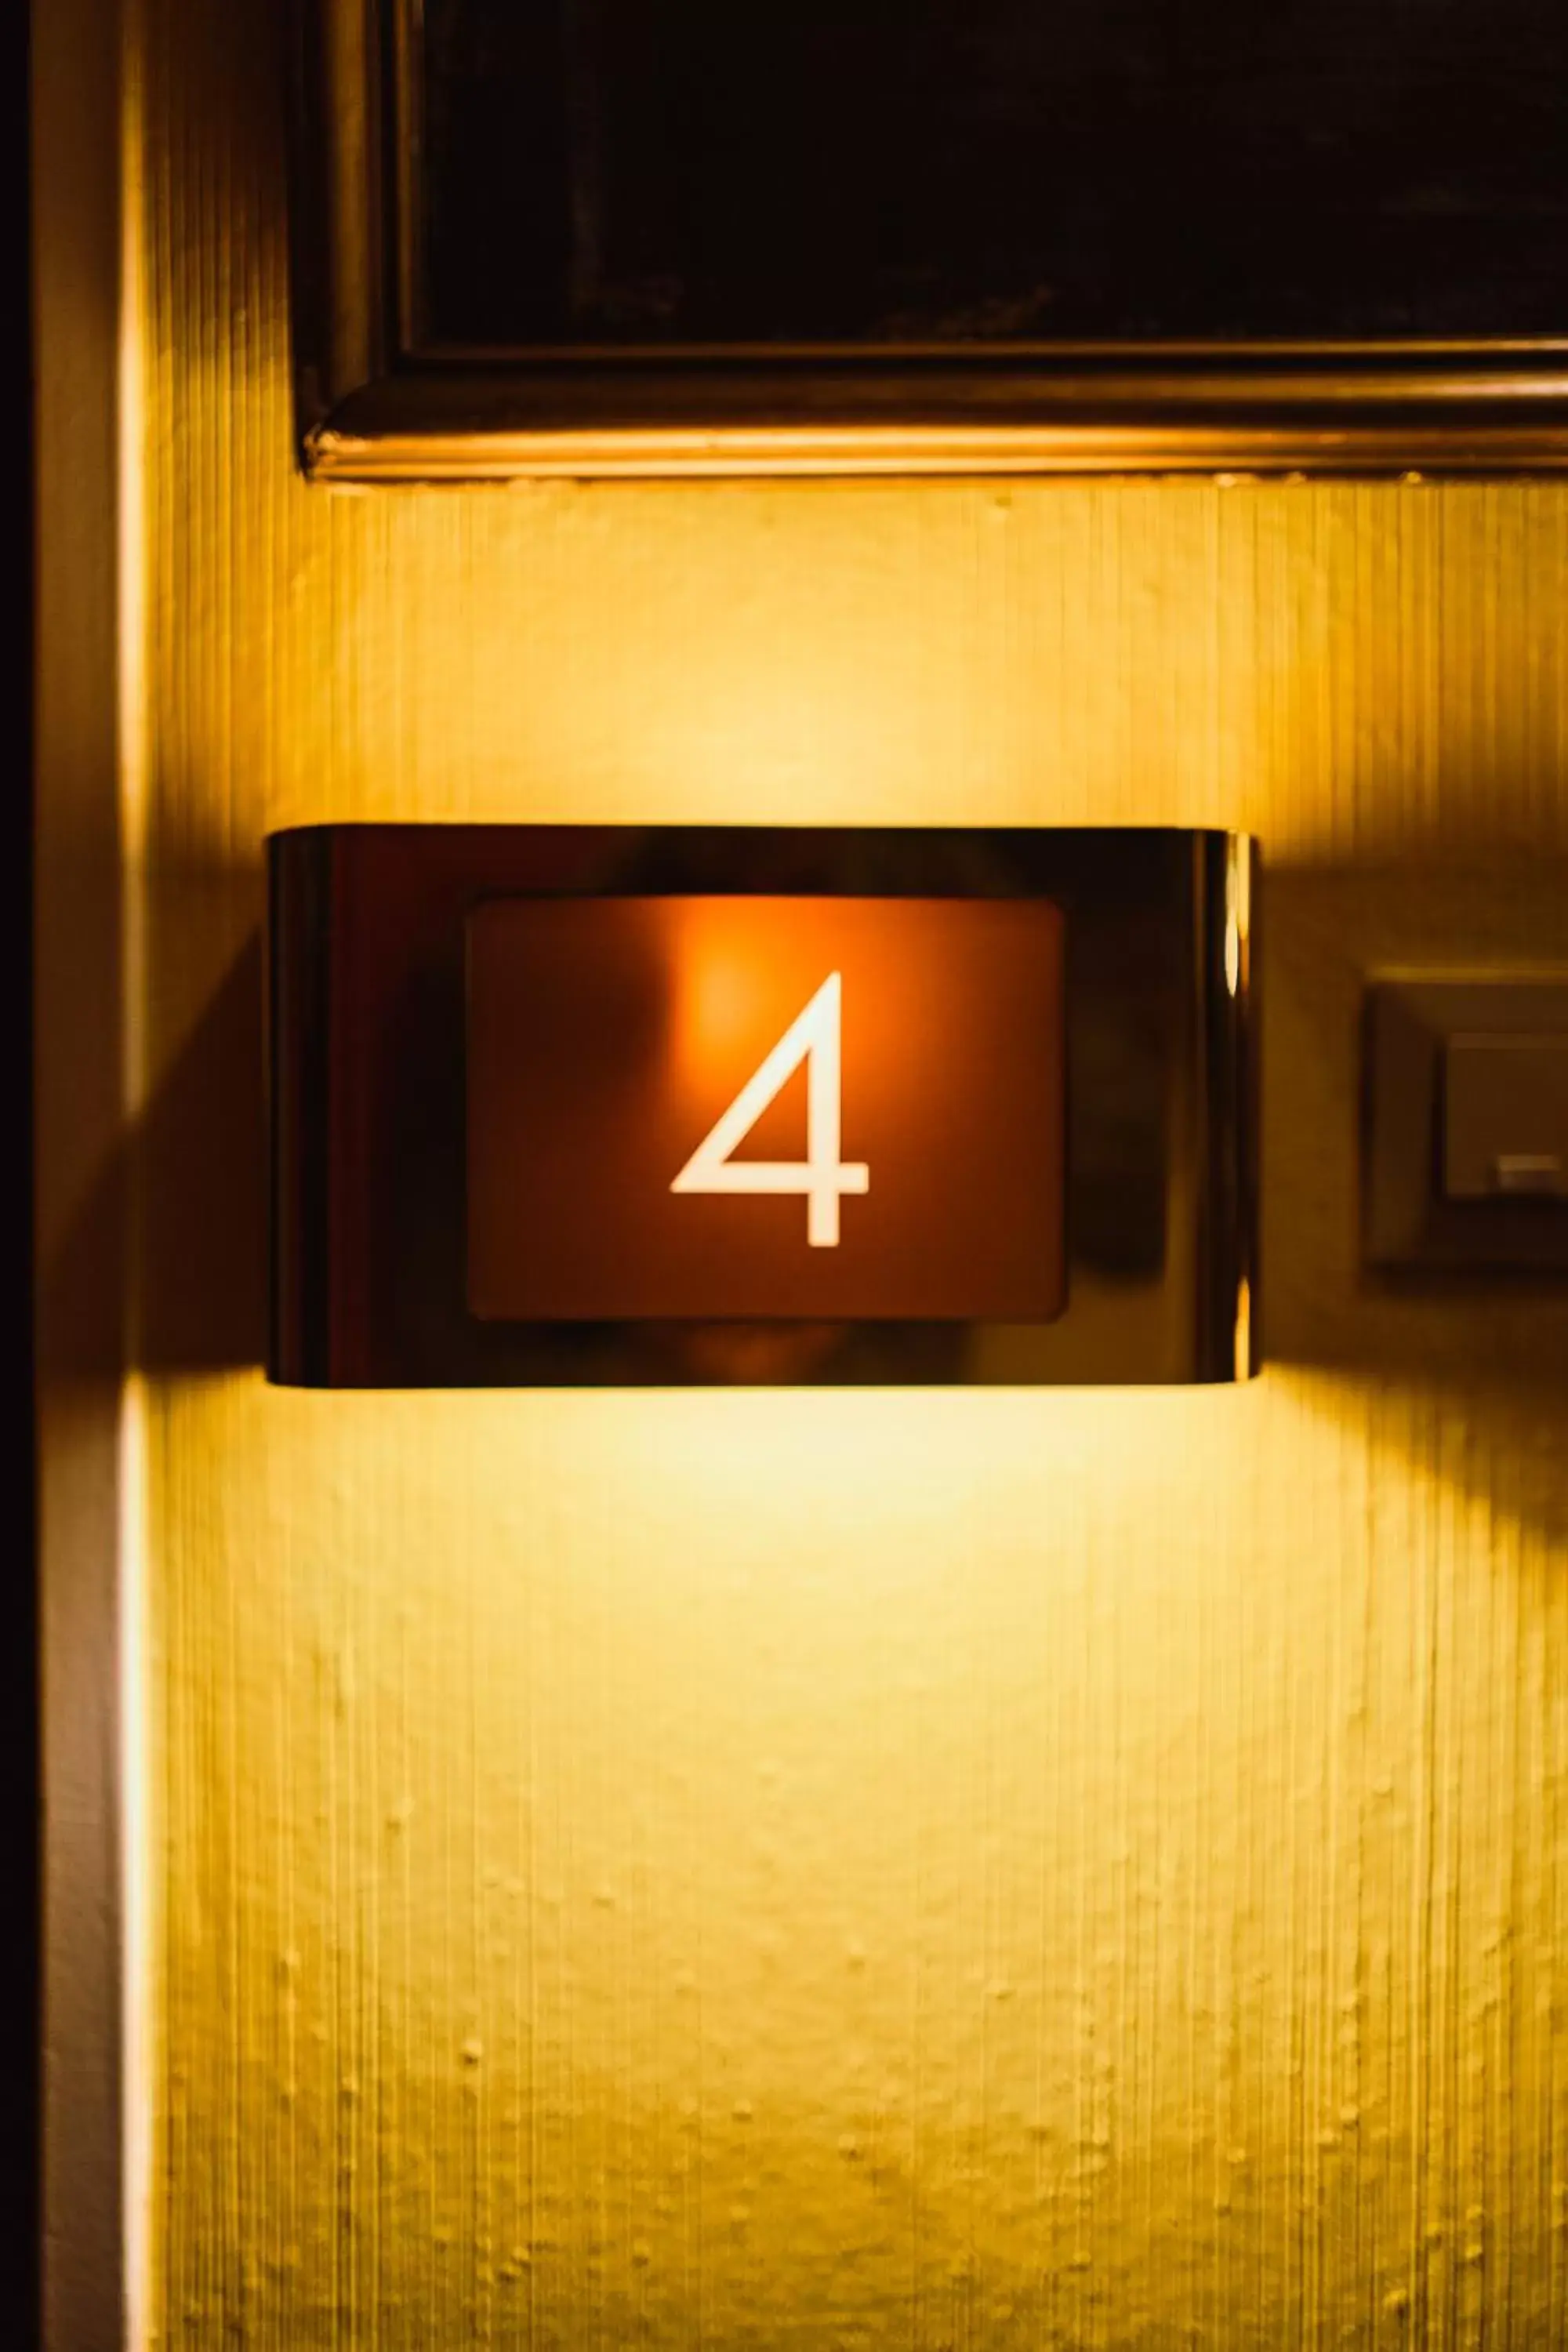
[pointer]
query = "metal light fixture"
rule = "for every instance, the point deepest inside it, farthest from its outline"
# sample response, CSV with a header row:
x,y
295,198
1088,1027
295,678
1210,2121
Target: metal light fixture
x,y
583,1105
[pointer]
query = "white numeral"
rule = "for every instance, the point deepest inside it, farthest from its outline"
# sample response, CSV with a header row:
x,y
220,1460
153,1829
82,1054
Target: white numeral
x,y
814,1038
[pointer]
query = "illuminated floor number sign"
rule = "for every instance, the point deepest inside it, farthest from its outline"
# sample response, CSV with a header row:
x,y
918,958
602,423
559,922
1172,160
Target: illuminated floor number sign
x,y
655,1086
814,1039
655,1107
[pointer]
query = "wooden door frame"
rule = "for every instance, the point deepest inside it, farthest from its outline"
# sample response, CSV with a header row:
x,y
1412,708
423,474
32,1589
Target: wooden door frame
x,y
81,1256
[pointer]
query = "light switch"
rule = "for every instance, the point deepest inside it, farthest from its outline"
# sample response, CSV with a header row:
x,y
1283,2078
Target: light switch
x,y
1505,1116
1466,1137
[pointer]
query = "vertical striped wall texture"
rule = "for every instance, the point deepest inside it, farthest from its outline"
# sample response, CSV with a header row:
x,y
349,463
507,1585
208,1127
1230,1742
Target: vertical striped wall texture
x,y
914,1871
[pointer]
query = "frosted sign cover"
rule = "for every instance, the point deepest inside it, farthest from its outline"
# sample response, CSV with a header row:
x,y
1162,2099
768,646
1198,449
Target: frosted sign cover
x,y
759,1108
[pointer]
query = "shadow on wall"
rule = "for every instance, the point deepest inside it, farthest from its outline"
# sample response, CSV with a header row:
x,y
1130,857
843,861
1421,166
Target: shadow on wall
x,y
1494,1353
197,1167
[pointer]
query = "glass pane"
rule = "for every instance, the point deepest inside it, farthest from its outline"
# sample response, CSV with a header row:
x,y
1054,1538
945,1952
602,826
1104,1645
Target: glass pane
x,y
886,171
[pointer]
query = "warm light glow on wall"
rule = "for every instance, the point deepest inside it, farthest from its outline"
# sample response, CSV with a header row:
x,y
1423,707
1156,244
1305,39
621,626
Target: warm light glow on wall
x,y
906,1862
923,1870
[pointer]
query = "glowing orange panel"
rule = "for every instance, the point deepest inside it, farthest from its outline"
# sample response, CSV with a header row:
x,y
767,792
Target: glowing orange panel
x,y
712,1108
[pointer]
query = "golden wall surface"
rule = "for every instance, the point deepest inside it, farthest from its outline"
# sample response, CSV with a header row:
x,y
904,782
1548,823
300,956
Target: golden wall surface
x,y
928,1870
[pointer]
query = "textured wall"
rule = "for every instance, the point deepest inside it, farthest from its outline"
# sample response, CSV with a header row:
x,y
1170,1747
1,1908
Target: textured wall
x,y
973,1869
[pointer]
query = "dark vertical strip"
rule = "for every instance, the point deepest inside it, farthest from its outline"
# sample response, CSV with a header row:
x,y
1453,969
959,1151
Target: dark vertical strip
x,y
1227,1100
21,2279
299,1325
585,156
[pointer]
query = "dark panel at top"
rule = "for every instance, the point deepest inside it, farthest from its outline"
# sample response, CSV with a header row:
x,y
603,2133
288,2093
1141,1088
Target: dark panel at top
x,y
606,172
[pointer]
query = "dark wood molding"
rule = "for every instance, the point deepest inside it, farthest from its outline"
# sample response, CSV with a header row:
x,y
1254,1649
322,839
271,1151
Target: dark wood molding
x,y
379,402
93,2127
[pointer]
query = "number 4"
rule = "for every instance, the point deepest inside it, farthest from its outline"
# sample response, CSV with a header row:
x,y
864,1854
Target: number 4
x,y
815,1038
